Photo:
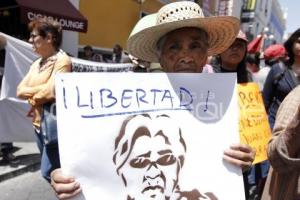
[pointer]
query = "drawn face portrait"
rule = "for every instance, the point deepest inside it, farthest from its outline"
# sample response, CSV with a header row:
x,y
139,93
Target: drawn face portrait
x,y
152,165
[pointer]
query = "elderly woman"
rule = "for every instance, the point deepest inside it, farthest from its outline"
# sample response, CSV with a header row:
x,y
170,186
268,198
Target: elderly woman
x,y
38,88
180,38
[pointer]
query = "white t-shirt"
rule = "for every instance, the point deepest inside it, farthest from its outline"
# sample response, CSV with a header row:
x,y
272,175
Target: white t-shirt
x,y
260,77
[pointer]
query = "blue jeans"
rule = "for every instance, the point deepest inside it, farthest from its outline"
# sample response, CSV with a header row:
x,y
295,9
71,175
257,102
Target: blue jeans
x,y
258,171
49,156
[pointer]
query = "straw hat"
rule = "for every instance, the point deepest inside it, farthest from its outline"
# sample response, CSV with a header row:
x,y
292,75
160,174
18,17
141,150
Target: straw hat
x,y
142,42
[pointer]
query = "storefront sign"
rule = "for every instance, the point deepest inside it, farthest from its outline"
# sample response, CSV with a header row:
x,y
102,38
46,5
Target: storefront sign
x,y
65,23
61,11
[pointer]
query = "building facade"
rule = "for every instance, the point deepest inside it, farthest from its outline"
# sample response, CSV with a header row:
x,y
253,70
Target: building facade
x,y
263,17
277,24
110,22
255,17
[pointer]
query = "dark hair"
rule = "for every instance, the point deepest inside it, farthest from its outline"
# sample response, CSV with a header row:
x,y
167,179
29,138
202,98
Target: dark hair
x,y
242,72
271,62
253,58
289,47
117,48
45,26
88,47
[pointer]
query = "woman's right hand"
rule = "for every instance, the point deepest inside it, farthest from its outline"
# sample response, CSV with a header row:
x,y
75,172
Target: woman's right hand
x,y
64,186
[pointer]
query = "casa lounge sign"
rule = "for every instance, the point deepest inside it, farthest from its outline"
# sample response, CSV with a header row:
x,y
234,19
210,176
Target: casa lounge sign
x,y
59,10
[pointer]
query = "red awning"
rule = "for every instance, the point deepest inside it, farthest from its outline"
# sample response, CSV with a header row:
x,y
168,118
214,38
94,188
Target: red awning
x,y
61,10
256,45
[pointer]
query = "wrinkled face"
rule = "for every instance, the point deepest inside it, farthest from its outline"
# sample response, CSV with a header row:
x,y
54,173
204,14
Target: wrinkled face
x,y
40,45
234,54
296,48
152,169
184,50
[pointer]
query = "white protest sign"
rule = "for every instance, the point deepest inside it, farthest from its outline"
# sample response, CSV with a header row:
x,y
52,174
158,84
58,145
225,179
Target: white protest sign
x,y
149,136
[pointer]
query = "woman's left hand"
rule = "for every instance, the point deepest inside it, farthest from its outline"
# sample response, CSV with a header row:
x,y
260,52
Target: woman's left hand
x,y
241,155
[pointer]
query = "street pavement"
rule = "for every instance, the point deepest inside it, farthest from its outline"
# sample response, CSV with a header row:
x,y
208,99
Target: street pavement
x,y
28,186
22,180
28,158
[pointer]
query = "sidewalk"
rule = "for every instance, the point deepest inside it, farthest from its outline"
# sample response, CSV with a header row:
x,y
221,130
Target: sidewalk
x,y
29,160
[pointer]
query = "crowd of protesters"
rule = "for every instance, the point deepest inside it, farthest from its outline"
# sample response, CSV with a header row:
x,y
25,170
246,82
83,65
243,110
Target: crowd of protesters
x,y
201,52
117,56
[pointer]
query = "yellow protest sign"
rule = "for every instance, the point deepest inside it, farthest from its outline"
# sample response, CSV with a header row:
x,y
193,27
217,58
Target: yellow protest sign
x,y
253,122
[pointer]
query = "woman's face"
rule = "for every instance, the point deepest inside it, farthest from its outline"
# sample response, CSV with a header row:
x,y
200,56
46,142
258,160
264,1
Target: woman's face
x,y
234,54
40,44
184,50
296,48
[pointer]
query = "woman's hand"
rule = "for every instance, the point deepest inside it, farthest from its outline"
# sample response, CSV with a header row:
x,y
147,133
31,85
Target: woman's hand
x,y
241,155
65,187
